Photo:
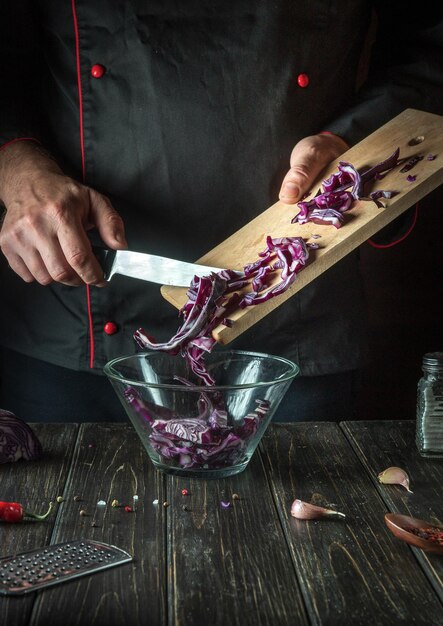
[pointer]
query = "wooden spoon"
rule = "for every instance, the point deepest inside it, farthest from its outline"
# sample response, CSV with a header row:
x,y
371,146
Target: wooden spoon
x,y
401,525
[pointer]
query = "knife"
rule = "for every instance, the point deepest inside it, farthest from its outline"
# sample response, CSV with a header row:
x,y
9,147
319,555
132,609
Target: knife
x,y
149,267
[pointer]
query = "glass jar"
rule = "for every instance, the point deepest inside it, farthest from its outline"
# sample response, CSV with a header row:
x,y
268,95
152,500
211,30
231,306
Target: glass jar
x,y
430,406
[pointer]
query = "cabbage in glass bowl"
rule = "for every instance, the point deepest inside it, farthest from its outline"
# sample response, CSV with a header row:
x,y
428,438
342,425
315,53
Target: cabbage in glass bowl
x,y
195,430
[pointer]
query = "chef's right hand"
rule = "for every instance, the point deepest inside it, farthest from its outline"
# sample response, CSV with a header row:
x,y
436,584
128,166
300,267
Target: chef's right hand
x,y
44,230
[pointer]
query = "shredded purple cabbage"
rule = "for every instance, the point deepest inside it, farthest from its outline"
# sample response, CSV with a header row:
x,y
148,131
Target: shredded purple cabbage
x,y
209,441
211,299
203,442
411,163
341,190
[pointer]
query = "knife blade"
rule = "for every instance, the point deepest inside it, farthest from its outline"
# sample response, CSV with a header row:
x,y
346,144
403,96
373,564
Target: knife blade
x,y
149,267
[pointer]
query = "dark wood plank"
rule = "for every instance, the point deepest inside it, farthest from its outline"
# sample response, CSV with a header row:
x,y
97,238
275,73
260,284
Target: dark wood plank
x,y
351,571
33,484
385,444
229,566
109,464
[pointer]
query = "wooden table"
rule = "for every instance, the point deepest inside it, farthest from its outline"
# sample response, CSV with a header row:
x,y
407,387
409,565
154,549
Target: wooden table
x,y
249,564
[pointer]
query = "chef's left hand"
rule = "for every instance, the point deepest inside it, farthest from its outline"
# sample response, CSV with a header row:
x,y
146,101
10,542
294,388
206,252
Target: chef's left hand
x,y
308,158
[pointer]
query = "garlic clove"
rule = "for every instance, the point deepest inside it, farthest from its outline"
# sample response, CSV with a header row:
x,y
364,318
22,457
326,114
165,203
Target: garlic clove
x,y
305,510
394,476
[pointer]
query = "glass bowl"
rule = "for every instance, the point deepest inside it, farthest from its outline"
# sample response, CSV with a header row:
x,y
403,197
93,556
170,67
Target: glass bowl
x,y
195,430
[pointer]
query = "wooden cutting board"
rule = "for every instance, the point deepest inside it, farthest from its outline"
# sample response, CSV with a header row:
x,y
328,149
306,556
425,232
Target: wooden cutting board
x,y
414,132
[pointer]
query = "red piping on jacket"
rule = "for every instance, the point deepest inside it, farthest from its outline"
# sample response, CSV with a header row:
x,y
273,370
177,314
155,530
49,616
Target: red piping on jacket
x,y
402,238
79,86
82,150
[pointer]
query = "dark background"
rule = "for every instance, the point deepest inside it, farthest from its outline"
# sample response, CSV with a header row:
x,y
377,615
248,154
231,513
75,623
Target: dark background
x,y
403,287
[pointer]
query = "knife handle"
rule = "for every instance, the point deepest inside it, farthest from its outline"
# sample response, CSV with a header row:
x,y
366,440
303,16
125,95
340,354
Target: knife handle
x,y
105,257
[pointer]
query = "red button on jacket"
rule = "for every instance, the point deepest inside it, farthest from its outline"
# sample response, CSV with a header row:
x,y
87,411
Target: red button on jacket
x,y
303,80
110,328
98,70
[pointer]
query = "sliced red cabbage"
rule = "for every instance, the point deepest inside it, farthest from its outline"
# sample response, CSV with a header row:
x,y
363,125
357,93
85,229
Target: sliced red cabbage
x,y
17,439
376,195
328,206
411,163
326,217
209,440
200,443
211,300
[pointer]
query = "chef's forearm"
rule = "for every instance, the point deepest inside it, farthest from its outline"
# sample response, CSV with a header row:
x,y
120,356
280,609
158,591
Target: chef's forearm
x,y
20,159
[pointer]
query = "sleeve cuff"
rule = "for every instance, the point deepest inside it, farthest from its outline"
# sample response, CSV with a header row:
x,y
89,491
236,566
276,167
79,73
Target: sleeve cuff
x,y
328,132
11,141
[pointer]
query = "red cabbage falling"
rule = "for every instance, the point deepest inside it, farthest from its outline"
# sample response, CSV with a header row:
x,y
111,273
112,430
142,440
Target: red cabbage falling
x,y
211,299
208,441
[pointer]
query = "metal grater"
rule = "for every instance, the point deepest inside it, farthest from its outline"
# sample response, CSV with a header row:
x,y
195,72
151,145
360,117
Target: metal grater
x,y
40,568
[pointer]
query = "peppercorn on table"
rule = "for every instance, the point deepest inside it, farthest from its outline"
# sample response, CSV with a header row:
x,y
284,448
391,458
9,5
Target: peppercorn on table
x,y
228,551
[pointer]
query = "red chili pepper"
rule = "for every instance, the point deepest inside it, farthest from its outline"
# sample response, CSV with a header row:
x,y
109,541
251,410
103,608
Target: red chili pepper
x,y
14,512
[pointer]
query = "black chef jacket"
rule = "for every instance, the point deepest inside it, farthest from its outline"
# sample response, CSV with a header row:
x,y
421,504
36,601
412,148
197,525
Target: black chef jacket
x,y
185,114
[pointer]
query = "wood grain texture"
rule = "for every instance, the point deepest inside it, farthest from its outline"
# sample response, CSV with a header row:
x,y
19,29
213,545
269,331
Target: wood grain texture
x,y
362,221
248,564
351,571
393,444
114,467
34,484
229,566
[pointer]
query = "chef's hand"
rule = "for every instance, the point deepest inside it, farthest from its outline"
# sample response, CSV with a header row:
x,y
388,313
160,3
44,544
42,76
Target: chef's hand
x,y
309,157
43,235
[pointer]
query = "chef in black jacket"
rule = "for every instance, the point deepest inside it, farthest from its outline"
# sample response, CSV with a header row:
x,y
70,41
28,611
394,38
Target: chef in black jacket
x,y
168,125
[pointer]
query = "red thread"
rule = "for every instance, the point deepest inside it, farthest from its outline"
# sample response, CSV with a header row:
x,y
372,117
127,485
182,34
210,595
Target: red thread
x,y
91,328
8,143
79,87
402,238
82,150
